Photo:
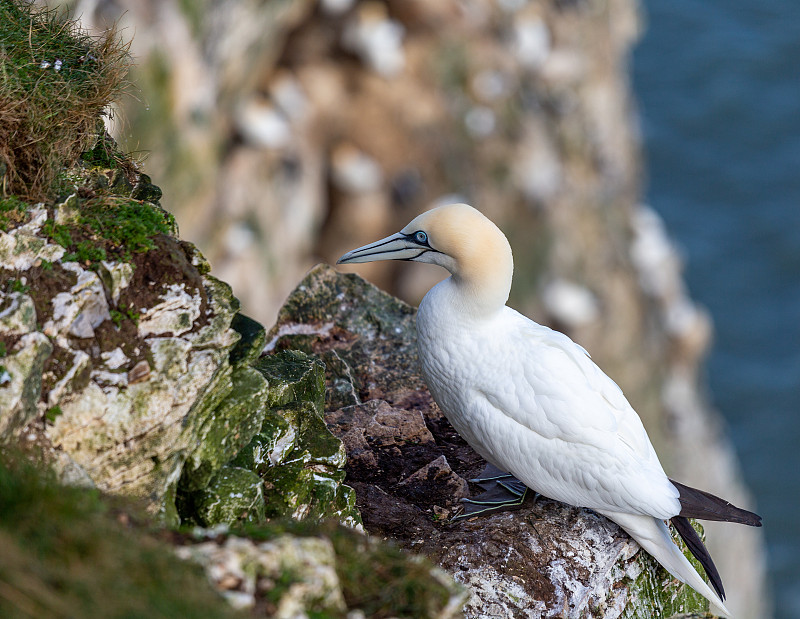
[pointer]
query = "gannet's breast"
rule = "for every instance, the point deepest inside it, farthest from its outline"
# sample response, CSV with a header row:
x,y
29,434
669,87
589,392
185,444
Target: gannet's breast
x,y
532,402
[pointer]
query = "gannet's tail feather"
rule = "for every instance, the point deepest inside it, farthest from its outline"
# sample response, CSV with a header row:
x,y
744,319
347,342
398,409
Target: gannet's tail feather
x,y
653,536
704,505
698,549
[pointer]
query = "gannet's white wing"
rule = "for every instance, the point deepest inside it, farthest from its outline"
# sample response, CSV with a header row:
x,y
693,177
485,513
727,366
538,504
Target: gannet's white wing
x,y
558,408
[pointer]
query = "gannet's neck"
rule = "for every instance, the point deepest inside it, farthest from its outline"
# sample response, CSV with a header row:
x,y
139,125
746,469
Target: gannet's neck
x,y
481,277
475,251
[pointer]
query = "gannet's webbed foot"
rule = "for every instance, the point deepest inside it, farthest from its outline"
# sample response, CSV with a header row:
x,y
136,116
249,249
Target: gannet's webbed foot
x,y
502,491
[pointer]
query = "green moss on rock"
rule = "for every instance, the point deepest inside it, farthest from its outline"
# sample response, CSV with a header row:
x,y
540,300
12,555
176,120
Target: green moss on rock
x,y
254,336
296,491
272,445
293,376
655,592
315,444
231,426
107,226
233,495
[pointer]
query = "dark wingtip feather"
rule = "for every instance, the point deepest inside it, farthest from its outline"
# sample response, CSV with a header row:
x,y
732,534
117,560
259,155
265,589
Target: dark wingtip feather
x,y
696,547
705,506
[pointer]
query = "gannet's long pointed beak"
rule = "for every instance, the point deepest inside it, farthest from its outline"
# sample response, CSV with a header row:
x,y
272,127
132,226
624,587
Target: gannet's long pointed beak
x,y
395,247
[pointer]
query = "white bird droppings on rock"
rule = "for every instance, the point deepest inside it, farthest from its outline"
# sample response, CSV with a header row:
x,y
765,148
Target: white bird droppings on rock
x,y
653,254
116,276
81,310
288,95
239,237
263,125
354,171
570,303
175,314
21,248
480,121
489,85
114,359
531,42
239,567
17,313
80,362
336,7
376,39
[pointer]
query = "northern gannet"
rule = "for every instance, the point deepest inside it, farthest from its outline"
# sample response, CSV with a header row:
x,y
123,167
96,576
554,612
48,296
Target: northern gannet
x,y
531,402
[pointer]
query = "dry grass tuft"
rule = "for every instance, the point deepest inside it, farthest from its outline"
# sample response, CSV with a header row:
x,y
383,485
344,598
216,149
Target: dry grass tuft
x,y
55,82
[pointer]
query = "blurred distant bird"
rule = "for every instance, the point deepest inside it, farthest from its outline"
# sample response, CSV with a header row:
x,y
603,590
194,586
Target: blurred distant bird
x,y
533,404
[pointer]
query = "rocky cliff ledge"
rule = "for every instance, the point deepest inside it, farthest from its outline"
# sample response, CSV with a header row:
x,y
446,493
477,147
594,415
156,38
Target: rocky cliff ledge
x,y
409,468
127,367
293,131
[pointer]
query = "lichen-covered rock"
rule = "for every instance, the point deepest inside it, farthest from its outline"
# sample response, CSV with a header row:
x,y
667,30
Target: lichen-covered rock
x,y
115,349
296,570
300,492
271,425
22,247
132,433
408,468
129,367
21,369
293,377
17,314
300,573
271,446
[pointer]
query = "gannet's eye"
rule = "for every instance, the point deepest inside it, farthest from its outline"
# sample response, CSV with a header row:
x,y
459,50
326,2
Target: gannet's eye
x,y
421,238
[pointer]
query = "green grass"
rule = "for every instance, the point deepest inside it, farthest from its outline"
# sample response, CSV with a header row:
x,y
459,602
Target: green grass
x,y
117,316
16,285
55,82
12,211
52,413
86,252
66,553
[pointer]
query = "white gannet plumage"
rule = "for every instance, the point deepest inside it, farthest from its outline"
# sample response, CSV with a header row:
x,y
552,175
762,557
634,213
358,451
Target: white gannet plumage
x,y
530,401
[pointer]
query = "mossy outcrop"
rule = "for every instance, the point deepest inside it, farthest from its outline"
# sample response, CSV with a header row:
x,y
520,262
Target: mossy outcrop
x,y
69,552
123,363
129,374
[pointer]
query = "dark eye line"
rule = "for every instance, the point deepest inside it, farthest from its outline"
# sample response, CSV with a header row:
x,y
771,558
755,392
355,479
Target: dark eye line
x,y
413,237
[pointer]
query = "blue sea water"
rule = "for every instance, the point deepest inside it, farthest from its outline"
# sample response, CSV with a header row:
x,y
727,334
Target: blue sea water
x,y
718,84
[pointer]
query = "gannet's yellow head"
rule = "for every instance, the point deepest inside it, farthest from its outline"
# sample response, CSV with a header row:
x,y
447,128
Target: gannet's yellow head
x,y
458,238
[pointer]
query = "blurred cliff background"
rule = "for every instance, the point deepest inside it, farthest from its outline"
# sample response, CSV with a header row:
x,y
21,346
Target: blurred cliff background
x,y
719,92
285,132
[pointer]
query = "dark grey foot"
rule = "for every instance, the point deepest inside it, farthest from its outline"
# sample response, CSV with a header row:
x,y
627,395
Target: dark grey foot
x,y
502,491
